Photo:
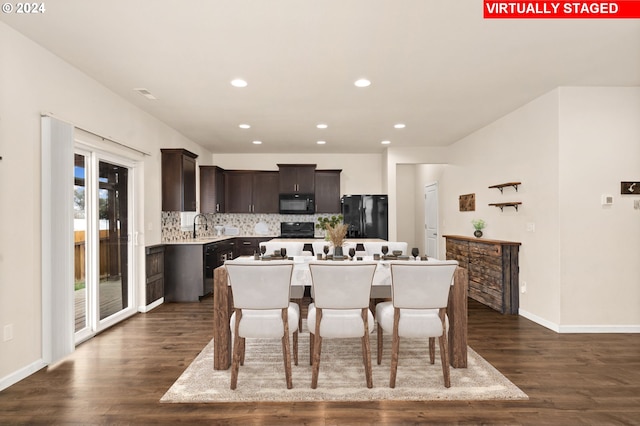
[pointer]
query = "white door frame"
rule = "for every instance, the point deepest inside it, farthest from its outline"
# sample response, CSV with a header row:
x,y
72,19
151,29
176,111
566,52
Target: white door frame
x,y
95,324
431,224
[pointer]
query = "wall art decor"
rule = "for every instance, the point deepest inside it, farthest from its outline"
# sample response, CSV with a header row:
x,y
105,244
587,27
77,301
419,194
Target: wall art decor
x,y
629,188
468,202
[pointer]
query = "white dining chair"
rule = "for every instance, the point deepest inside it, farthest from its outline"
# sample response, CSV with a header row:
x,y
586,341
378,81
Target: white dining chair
x,y
418,309
340,308
261,309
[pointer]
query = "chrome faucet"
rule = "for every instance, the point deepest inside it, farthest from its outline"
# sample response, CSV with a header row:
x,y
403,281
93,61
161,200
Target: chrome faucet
x,y
195,221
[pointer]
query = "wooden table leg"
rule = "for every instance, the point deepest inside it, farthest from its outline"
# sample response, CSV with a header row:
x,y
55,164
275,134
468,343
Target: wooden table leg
x,y
221,315
457,313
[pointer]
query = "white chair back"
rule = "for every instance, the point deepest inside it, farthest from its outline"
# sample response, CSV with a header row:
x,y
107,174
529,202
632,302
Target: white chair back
x,y
376,247
342,285
421,285
260,285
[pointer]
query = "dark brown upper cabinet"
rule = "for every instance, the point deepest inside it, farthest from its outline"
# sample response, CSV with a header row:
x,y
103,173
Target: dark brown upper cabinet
x,y
212,190
248,191
178,180
297,178
328,191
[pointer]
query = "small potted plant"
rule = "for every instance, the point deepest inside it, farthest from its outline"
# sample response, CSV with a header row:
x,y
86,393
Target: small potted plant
x,y
336,231
325,222
479,225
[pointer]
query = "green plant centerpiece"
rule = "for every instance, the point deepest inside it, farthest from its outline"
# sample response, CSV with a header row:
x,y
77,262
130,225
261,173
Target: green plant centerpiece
x,y
478,225
335,231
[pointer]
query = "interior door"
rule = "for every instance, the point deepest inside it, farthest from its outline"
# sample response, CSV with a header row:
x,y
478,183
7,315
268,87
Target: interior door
x,y
431,219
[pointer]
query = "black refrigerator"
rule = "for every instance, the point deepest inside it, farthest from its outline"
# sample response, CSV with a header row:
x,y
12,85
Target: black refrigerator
x,y
366,215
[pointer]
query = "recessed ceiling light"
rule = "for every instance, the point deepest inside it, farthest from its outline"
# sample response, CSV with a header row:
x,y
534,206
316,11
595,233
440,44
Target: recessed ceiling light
x,y
399,126
322,126
238,82
363,82
385,142
321,142
147,94
257,142
244,126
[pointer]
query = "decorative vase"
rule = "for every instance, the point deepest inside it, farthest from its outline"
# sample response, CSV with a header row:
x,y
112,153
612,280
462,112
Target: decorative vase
x,y
478,233
337,251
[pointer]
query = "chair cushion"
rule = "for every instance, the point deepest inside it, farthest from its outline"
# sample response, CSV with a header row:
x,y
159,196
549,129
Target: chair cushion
x,y
413,322
265,323
339,323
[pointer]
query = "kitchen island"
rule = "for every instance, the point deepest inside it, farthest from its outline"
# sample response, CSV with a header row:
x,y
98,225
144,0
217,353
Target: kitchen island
x,y
189,264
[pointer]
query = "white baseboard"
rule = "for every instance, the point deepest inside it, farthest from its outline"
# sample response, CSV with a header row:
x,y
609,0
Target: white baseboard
x,y
591,328
539,320
23,373
600,328
150,306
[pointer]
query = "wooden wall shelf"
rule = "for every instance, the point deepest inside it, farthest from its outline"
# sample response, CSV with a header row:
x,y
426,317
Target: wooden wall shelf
x,y
514,204
501,186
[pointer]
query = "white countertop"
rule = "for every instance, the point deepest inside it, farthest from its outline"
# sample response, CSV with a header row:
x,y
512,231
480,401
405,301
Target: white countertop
x,y
213,239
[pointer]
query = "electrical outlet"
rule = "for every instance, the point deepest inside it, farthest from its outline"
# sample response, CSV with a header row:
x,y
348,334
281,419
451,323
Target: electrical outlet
x,y
523,287
531,227
8,332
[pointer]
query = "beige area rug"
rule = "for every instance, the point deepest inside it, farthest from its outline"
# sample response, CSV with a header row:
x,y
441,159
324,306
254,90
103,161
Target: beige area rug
x,y
341,378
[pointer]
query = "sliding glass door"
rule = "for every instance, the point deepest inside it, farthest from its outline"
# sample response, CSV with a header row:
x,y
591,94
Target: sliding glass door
x,y
102,252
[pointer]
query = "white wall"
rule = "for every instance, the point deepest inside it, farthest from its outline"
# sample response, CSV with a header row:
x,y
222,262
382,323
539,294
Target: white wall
x,y
520,147
568,148
599,245
406,204
33,81
361,173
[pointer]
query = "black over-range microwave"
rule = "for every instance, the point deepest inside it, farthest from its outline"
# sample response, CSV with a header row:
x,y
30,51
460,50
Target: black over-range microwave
x,y
297,204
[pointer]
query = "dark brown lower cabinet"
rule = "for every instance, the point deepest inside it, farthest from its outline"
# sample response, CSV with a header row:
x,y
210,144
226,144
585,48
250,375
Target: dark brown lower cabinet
x,y
154,273
493,270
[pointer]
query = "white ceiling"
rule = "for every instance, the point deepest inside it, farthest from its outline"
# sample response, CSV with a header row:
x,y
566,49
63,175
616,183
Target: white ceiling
x,y
435,65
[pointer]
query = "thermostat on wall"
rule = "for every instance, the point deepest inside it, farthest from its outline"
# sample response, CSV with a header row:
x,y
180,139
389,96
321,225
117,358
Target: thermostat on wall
x,y
607,200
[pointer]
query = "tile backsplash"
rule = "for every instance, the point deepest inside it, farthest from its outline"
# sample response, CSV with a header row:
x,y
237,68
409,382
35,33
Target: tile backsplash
x,y
173,231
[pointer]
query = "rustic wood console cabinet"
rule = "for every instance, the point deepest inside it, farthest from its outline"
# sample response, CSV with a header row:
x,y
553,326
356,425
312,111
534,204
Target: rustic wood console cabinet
x,y
493,270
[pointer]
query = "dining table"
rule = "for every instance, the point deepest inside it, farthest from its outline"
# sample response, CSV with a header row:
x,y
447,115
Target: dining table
x,y
380,290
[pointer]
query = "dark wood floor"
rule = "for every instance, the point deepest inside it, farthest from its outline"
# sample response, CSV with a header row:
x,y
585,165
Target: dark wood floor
x,y
119,376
